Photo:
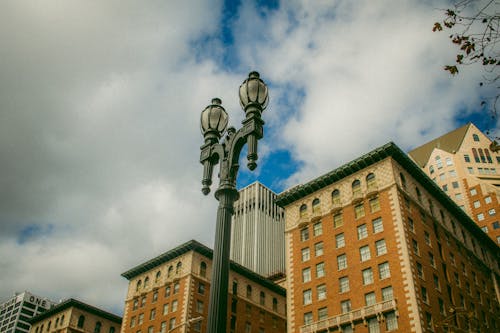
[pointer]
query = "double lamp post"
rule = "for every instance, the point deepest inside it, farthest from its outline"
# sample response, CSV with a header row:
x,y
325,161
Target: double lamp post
x,y
214,119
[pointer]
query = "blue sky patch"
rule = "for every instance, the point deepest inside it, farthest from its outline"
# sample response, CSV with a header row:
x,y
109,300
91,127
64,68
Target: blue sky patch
x,y
34,231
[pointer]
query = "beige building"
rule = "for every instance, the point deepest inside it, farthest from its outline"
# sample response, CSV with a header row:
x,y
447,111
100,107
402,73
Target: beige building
x,y
376,246
465,166
170,293
73,316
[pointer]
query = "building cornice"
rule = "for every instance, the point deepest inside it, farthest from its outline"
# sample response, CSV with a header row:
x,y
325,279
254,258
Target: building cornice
x,y
389,150
71,302
195,246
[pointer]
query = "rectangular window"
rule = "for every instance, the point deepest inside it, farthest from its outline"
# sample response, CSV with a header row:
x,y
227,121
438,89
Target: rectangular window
x,y
480,217
174,305
322,313
473,191
306,255
201,288
411,224
416,250
362,231
442,176
165,309
374,204
367,276
487,199
380,246
387,294
364,253
496,225
339,240
304,234
420,270
449,161
306,274
318,249
425,298
199,306
477,204
452,173
445,187
470,170
344,284
152,314
318,229
370,299
467,158
308,318
437,285
171,323
321,291
307,296
341,262
377,225
431,260
383,270
359,211
391,321
345,306
338,220
458,196
492,212
320,269
373,326
454,184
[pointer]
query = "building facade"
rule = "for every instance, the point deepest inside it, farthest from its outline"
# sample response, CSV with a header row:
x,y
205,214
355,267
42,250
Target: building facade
x,y
170,293
258,230
16,312
376,246
73,316
467,168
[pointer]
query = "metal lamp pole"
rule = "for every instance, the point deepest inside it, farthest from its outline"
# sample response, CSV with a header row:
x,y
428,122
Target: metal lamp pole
x,y
253,99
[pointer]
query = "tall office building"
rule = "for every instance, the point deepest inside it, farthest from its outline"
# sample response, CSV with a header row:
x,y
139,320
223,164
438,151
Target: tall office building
x,y
463,163
170,293
74,316
258,231
376,246
16,312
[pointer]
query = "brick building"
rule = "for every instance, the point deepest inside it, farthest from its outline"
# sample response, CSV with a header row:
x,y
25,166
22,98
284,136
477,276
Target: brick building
x,y
170,293
466,166
73,316
377,246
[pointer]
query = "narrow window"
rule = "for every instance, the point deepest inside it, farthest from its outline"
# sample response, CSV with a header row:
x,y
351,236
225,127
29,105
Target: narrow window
x,y
316,206
203,269
356,187
81,321
336,196
303,210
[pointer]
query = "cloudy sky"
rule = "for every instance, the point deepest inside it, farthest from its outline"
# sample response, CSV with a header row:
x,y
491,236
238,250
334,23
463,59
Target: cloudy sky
x,y
100,105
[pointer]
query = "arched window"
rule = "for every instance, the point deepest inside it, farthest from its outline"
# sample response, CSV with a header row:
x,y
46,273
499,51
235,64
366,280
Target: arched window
x,y
371,182
476,157
203,269
481,155
48,326
57,322
316,205
356,187
403,180
62,320
157,277
36,329
336,196
475,137
170,271
488,156
81,321
138,285
419,195
146,282
97,328
178,268
249,291
275,304
262,298
303,210
111,329
41,328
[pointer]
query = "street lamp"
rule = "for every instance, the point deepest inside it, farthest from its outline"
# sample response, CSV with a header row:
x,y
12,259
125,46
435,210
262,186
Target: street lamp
x,y
214,119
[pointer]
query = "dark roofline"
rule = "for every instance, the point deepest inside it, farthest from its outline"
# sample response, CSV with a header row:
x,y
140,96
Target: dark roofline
x,y
388,150
71,302
193,245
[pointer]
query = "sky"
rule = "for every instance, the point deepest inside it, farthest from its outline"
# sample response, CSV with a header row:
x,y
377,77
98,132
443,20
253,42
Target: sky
x,y
100,105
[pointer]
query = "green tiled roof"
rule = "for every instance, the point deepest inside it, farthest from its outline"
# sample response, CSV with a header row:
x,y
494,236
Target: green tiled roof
x,y
389,150
71,302
193,245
